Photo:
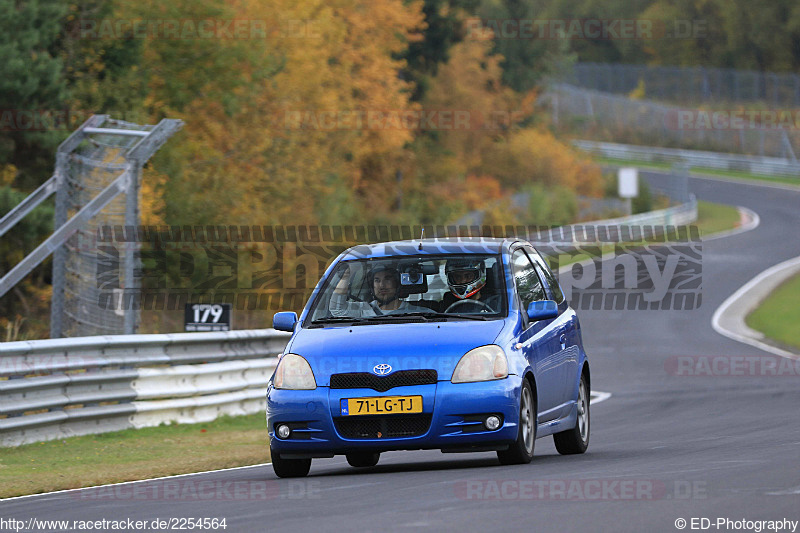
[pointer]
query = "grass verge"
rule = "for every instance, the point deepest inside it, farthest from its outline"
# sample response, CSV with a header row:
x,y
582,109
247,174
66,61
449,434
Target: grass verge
x,y
777,316
715,218
133,454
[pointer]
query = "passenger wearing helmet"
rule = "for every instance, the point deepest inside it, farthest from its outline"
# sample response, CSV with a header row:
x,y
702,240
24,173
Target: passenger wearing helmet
x,y
465,278
383,280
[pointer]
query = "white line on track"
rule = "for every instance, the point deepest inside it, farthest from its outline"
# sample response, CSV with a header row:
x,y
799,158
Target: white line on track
x,y
739,294
597,397
787,492
752,223
132,482
734,298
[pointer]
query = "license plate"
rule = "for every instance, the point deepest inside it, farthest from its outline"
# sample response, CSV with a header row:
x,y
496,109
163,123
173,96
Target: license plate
x,y
384,405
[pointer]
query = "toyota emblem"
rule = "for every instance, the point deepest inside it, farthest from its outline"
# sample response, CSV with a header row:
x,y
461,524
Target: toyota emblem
x,y
382,369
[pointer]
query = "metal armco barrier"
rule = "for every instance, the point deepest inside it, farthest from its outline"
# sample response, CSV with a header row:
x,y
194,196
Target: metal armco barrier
x,y
762,166
59,388
679,215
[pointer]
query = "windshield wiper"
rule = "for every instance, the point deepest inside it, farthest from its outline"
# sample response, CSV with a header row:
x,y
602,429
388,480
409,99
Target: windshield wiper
x,y
422,315
434,315
416,314
337,319
463,315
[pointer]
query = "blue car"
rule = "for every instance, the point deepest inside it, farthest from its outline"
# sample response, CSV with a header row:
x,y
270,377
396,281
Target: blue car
x,y
460,345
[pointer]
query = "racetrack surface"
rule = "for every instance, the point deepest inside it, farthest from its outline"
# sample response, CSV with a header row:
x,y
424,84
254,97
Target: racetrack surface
x,y
663,447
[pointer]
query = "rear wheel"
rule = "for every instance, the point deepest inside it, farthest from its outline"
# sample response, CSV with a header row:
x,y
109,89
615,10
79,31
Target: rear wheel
x,y
290,467
521,452
363,459
576,440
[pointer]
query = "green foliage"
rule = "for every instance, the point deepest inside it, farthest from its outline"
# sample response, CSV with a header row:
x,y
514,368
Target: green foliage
x,y
736,34
444,28
28,233
643,202
25,308
550,205
525,61
31,81
101,69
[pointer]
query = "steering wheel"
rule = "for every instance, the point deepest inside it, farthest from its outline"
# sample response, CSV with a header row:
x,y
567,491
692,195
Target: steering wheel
x,y
478,303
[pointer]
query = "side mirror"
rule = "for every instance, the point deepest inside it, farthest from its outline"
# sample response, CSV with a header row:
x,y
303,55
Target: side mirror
x,y
541,310
284,321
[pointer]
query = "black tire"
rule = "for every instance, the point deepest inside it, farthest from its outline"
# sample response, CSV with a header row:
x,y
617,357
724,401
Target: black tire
x,y
290,467
521,451
576,440
361,459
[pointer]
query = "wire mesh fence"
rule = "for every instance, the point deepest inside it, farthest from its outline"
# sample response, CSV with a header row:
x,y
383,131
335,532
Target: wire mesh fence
x,y
98,170
92,167
609,117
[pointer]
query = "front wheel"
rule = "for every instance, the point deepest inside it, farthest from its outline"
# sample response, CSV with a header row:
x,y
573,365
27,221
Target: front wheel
x,y
576,440
521,452
290,467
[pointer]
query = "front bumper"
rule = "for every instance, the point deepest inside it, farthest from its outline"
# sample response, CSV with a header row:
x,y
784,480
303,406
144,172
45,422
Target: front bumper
x,y
452,409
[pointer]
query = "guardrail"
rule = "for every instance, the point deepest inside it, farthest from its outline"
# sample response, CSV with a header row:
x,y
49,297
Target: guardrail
x,y
65,387
659,220
679,215
762,166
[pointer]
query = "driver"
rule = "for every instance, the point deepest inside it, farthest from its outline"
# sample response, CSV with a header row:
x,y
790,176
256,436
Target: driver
x,y
384,281
465,278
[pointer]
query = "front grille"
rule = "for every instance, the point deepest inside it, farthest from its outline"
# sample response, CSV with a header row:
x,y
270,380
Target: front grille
x,y
382,427
401,378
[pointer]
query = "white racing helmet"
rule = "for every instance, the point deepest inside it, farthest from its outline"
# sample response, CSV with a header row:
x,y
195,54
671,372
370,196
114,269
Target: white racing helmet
x,y
465,276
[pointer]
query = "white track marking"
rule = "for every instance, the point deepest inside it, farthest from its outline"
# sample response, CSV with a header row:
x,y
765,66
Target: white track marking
x,y
753,222
597,397
131,482
787,492
741,294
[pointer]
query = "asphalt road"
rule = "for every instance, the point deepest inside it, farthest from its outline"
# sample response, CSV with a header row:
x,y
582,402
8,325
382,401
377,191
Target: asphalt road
x,y
663,447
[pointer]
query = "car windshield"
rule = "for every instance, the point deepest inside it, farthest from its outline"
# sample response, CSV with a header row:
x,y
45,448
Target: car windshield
x,y
415,289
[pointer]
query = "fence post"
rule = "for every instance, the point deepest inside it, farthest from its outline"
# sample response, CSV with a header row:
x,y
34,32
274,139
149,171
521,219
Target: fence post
x,y
796,79
787,150
131,289
60,253
555,109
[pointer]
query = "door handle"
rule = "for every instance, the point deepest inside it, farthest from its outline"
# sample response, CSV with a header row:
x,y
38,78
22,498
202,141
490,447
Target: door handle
x,y
563,341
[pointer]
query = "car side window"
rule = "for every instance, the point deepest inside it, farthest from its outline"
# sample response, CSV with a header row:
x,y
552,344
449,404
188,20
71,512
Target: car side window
x,y
549,278
528,285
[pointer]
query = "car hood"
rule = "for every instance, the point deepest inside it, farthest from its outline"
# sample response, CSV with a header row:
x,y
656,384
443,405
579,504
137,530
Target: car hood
x,y
431,345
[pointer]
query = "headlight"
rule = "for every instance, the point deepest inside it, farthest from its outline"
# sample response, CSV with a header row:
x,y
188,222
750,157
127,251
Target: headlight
x,y
294,373
481,364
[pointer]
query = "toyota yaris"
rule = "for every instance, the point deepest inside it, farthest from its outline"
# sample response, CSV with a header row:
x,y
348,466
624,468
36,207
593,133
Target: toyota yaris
x,y
460,345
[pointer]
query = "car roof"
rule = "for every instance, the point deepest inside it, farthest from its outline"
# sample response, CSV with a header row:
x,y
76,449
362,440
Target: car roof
x,y
453,245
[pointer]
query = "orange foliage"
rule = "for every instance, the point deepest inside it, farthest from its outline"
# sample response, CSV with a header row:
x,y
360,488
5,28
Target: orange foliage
x,y
480,191
495,146
245,158
531,155
270,136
